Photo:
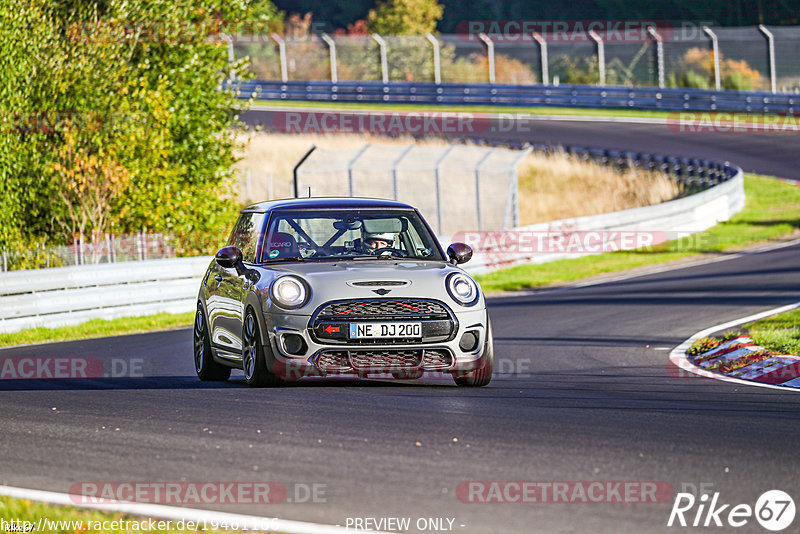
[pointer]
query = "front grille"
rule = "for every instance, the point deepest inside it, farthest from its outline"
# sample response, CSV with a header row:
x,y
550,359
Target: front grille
x,y
382,360
437,359
333,360
383,309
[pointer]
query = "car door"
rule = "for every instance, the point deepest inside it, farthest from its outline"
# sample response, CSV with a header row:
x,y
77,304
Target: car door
x,y
231,293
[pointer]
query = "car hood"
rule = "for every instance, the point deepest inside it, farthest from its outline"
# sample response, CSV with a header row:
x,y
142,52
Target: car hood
x,y
345,280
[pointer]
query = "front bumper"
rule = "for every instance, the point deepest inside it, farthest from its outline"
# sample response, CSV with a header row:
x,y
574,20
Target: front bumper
x,y
321,357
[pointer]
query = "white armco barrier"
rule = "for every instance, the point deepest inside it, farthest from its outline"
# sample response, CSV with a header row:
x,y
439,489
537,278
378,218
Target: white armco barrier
x,y
70,295
620,230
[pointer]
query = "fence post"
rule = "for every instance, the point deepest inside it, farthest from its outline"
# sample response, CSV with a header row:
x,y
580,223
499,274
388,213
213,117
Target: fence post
x,y
771,52
295,181
282,54
384,61
332,47
543,54
490,54
478,186
437,179
5,260
395,164
437,63
513,189
659,55
601,55
231,56
715,49
350,164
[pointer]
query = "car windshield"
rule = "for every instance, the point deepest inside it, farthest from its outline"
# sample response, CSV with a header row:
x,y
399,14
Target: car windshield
x,y
318,235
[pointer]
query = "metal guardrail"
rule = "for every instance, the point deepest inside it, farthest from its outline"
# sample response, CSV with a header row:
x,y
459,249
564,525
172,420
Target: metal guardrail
x,y
587,96
70,295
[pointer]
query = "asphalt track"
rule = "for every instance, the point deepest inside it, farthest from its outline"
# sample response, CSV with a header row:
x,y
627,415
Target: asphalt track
x,y
772,154
585,393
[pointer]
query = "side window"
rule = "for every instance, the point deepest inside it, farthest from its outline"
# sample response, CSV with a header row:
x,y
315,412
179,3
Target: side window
x,y
245,235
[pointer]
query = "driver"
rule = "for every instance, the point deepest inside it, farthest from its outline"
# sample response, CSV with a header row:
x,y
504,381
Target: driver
x,y
374,242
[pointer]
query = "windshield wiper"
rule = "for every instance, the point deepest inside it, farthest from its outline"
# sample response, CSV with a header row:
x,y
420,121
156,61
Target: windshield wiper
x,y
290,258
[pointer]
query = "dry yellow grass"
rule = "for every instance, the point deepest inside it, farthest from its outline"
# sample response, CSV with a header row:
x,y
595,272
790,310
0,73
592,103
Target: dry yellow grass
x,y
551,187
557,186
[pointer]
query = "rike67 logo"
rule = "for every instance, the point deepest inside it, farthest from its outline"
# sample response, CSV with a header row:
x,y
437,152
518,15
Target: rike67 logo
x,y
774,510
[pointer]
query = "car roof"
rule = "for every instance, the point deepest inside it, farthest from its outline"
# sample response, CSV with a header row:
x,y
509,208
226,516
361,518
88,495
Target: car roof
x,y
326,203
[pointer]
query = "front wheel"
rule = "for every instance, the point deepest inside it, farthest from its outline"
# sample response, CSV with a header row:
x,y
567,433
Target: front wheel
x,y
483,375
207,369
254,362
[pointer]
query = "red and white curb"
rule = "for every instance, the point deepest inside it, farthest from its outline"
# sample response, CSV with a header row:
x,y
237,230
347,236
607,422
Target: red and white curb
x,y
739,360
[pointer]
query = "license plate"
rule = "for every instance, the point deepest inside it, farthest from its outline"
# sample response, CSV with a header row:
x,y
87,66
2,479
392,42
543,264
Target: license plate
x,y
385,330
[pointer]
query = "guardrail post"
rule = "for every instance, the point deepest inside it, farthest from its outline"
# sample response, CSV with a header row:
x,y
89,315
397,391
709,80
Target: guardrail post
x,y
332,47
771,53
437,183
543,55
350,164
437,61
490,54
384,61
478,186
601,55
395,164
295,171
659,55
715,49
282,54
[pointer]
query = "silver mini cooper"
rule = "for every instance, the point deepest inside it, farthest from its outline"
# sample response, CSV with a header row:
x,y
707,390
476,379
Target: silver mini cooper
x,y
340,286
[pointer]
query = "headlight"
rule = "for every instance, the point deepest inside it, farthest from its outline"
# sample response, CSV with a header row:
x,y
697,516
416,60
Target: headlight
x,y
289,292
463,289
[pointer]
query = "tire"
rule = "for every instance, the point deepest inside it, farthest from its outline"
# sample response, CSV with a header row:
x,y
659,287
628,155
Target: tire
x,y
482,376
254,355
207,369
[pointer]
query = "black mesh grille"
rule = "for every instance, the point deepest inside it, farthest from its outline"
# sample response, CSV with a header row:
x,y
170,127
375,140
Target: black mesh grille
x,y
383,360
378,360
437,359
385,308
333,360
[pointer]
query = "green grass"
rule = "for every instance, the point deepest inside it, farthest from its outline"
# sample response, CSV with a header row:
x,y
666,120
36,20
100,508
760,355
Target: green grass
x,y
527,110
772,212
779,333
25,510
98,328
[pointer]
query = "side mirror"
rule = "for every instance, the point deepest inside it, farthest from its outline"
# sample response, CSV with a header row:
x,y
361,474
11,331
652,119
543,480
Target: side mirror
x,y
229,258
459,253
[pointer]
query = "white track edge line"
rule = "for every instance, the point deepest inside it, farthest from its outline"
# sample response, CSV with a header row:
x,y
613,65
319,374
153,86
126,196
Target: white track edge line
x,y
678,355
177,513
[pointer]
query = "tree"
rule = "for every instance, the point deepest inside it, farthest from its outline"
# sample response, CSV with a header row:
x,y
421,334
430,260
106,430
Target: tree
x,y
131,92
405,17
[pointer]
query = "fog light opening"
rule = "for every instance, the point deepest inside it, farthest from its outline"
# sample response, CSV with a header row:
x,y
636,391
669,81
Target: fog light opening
x,y
294,344
469,341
